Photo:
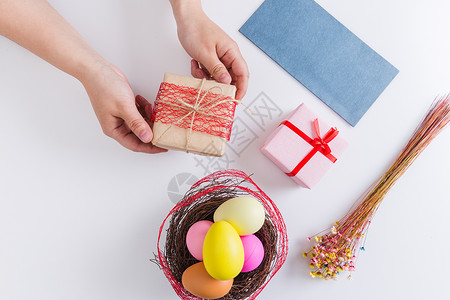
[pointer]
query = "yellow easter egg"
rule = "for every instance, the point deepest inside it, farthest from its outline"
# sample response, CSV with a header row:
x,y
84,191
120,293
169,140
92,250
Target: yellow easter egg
x,y
245,214
199,283
223,252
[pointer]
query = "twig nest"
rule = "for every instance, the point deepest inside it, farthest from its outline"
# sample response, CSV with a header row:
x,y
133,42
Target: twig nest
x,y
258,250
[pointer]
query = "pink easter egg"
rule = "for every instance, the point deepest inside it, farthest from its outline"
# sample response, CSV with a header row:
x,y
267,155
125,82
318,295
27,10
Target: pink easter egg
x,y
253,252
195,237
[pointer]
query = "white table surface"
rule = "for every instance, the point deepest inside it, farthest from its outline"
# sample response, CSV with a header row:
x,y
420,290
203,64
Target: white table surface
x,y
79,214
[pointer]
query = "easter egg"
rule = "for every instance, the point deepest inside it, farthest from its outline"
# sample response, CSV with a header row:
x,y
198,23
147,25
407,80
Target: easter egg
x,y
195,237
253,252
198,282
223,252
245,214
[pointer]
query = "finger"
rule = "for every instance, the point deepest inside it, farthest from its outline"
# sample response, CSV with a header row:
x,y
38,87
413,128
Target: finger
x,y
136,123
117,129
149,112
216,68
130,141
233,59
144,107
140,105
196,71
206,71
141,101
241,86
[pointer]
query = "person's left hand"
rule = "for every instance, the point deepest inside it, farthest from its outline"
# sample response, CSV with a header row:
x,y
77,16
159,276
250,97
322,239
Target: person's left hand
x,y
122,116
214,53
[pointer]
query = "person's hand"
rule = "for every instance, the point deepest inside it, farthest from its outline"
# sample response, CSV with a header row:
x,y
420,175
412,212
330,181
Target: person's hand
x,y
214,53
47,34
121,116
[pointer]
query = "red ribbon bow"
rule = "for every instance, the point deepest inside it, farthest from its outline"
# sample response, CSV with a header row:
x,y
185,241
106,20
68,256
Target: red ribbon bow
x,y
320,144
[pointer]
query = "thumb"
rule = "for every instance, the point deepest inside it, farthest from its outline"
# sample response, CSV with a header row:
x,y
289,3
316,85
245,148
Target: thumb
x,y
137,124
217,69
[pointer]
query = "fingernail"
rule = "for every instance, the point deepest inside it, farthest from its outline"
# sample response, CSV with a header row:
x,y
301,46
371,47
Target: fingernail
x,y
224,78
145,136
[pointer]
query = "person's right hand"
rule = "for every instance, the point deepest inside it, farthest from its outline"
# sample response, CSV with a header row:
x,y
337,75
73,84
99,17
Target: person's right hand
x,y
119,114
215,54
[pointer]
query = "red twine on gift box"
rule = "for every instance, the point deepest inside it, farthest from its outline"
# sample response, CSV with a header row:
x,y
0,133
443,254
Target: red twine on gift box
x,y
195,109
319,144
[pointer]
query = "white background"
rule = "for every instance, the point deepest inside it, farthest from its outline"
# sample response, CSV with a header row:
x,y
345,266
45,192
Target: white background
x,y
79,215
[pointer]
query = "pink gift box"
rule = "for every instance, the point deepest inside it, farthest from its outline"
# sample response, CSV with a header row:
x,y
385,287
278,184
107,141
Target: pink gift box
x,y
299,152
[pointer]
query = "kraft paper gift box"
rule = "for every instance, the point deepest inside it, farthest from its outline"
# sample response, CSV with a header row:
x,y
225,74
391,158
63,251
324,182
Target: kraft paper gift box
x,y
193,115
304,147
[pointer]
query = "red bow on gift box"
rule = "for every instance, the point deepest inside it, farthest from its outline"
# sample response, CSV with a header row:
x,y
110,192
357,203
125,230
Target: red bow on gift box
x,y
319,144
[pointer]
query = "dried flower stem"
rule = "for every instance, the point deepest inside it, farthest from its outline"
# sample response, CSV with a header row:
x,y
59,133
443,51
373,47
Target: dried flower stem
x,y
336,248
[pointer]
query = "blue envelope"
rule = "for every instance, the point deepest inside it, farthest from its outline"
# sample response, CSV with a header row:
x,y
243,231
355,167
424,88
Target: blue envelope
x,y
320,53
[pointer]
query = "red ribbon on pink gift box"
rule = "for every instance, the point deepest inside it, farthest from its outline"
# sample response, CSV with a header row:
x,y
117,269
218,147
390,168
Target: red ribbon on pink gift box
x,y
320,144
300,151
